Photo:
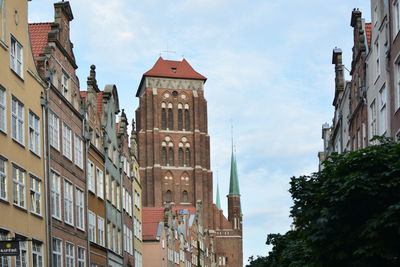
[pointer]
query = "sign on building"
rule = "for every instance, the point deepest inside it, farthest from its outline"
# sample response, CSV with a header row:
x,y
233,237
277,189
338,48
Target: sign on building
x,y
9,248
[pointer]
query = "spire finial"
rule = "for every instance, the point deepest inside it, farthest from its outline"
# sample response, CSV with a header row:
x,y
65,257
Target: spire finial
x,y
218,201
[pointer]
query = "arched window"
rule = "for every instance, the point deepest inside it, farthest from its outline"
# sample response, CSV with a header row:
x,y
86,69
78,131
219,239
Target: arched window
x,y
184,196
169,196
187,157
187,120
170,119
180,157
164,156
180,119
171,156
163,119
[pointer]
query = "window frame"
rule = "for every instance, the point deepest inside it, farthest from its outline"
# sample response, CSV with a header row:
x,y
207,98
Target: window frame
x,y
3,109
37,252
81,260
100,182
4,179
92,227
78,151
101,231
80,208
68,202
35,194
18,119
34,133
69,247
57,253
54,130
91,181
14,59
18,186
55,192
67,141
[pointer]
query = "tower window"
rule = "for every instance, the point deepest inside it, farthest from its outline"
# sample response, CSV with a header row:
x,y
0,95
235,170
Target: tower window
x,y
170,119
180,157
163,119
164,156
171,156
187,157
187,120
184,196
180,119
169,196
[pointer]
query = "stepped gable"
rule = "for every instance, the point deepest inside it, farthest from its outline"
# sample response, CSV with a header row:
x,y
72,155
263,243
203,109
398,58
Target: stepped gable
x,y
38,35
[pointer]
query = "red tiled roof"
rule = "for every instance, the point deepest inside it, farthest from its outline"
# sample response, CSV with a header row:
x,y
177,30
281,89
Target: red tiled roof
x,y
174,69
150,219
368,32
100,103
38,35
116,127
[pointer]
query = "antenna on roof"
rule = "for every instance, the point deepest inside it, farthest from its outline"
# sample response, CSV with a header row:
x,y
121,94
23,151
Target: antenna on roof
x,y
167,51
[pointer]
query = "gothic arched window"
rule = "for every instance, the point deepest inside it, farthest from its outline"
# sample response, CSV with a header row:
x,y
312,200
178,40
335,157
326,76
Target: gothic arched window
x,y
171,156
187,157
163,119
164,156
180,119
187,118
168,196
170,119
184,196
180,157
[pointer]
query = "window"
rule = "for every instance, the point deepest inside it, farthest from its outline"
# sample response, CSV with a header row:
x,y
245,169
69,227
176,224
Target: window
x,y
4,261
118,249
19,186
92,226
36,191
184,196
3,110
34,133
54,130
17,121
187,157
163,119
80,215
67,148
382,113
118,197
114,238
21,260
69,255
113,192
100,229
170,119
90,174
124,198
169,196
57,253
164,156
68,202
397,85
78,145
100,183
358,139
376,15
37,254
378,67
180,119
187,118
65,85
171,156
55,195
109,238
3,179
373,128
180,157
107,186
16,56
81,257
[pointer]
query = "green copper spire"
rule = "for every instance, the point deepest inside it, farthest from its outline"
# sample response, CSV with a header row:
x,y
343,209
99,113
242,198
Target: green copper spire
x,y
218,204
234,183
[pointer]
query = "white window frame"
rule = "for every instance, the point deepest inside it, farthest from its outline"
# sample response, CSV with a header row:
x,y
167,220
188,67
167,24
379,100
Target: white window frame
x,y
91,174
19,186
17,120
37,253
54,130
92,227
16,56
69,254
382,111
22,259
78,149
100,183
65,84
57,251
81,256
4,260
55,185
396,18
68,202
3,179
80,209
34,133
373,123
67,141
35,195
100,231
3,109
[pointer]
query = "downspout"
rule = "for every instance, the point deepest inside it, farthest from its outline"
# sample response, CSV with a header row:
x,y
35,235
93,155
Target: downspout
x,y
87,142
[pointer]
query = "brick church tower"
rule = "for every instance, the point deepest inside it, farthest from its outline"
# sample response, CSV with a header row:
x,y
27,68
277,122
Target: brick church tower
x,y
174,145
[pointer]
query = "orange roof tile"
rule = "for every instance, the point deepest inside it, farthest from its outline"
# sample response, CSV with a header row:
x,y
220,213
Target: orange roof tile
x,y
368,32
174,69
100,103
38,35
150,218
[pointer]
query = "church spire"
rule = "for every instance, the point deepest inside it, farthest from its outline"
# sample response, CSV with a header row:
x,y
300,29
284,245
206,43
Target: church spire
x,y
234,181
218,201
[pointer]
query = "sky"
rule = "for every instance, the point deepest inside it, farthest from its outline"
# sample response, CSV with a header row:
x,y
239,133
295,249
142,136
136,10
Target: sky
x,y
269,77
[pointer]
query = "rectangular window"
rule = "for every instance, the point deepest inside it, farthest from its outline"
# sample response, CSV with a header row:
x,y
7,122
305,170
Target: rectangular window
x,y
114,236
378,66
92,227
100,228
17,121
90,174
65,85
100,183
68,202
118,250
54,136
373,128
109,238
124,198
113,192
4,261
382,107
81,257
18,186
3,179
3,110
16,56
34,133
37,254
36,195
78,145
55,195
80,215
107,186
21,260
67,148
69,255
118,197
57,253
397,86
396,18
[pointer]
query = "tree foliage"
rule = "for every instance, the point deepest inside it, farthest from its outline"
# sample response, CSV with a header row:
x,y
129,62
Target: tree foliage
x,y
348,214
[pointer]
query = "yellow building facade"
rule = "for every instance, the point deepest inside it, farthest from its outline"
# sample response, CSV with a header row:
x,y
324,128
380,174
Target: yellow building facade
x,y
22,153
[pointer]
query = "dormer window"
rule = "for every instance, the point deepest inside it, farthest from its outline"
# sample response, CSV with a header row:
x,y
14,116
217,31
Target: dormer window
x,y
173,70
65,85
